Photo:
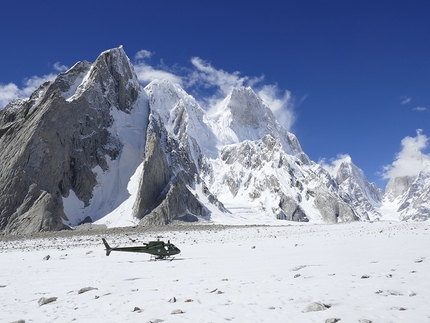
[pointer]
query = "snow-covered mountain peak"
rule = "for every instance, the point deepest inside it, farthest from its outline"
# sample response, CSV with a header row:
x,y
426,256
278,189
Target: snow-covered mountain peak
x,y
125,153
181,114
398,186
242,115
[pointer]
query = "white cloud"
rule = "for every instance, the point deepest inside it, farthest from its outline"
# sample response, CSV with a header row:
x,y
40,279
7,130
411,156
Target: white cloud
x,y
281,104
11,91
207,76
411,160
405,100
146,73
8,93
142,54
419,109
333,164
60,68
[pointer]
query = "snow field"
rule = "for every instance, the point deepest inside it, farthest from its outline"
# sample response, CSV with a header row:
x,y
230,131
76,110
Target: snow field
x,y
376,271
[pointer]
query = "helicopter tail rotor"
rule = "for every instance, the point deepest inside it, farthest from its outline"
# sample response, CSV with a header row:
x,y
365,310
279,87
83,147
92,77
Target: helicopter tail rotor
x,y
108,248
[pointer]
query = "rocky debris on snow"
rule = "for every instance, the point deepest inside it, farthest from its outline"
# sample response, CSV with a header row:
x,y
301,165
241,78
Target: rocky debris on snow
x,y
46,257
189,300
155,321
86,289
391,292
364,321
315,307
365,276
418,260
177,311
332,320
172,300
137,309
19,321
44,300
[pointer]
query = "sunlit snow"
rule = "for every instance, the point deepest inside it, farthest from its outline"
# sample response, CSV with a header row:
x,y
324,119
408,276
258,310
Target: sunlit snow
x,y
379,272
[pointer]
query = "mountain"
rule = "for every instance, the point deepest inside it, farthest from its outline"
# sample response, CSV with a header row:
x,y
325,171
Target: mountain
x,y
354,189
93,145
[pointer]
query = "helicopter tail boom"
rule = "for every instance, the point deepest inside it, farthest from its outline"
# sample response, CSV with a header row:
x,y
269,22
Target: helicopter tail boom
x,y
108,248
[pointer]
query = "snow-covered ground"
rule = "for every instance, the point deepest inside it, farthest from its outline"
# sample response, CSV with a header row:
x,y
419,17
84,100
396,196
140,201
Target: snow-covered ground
x,y
378,272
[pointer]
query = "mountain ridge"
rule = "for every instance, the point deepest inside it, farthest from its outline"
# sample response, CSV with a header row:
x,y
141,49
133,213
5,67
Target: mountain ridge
x,y
95,146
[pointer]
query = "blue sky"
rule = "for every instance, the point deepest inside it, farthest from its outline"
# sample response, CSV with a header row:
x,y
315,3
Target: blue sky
x,y
347,77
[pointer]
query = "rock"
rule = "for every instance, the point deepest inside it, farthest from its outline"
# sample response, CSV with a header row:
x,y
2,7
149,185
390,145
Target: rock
x,y
418,261
85,289
46,257
189,300
50,143
155,321
364,321
172,300
297,275
332,320
19,321
137,309
365,276
315,306
43,300
177,311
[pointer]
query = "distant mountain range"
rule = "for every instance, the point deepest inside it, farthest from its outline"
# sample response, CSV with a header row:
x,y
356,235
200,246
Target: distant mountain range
x,y
95,146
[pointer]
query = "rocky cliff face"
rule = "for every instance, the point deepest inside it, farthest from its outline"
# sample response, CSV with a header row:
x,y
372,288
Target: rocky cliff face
x,y
52,141
94,146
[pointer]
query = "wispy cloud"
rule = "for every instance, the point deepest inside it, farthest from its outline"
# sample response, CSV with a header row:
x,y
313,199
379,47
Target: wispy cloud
x,y
205,75
142,54
405,100
332,165
211,85
419,109
146,73
11,91
280,102
59,67
8,93
411,160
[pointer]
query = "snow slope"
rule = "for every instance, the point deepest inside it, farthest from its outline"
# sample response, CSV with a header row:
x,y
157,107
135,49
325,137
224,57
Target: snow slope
x,y
378,272
117,187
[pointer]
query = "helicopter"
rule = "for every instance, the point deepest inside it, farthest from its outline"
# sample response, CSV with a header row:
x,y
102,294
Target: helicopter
x,y
157,249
